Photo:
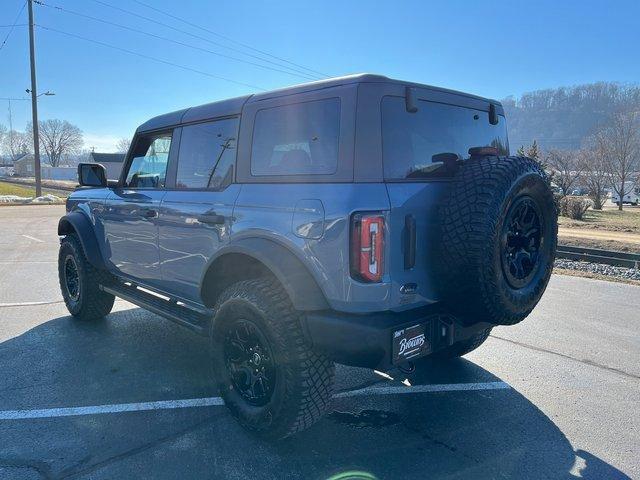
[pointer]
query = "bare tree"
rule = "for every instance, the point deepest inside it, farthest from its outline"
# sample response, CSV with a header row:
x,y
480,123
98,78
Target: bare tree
x,y
15,144
566,168
122,146
620,142
596,176
59,138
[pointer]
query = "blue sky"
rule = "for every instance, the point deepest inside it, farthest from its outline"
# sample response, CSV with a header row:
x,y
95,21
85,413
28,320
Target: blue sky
x,y
491,48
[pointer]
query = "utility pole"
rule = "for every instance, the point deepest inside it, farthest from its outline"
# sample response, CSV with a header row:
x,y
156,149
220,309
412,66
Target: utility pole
x,y
34,104
11,144
10,116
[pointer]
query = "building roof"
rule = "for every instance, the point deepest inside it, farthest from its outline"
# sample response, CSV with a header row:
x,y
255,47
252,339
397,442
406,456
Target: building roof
x,y
234,106
107,157
25,157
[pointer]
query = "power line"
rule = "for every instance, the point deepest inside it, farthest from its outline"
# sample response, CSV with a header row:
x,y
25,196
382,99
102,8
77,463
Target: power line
x,y
166,39
249,47
166,25
4,42
159,60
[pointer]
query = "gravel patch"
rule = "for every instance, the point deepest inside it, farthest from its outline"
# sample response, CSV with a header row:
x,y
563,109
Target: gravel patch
x,y
599,269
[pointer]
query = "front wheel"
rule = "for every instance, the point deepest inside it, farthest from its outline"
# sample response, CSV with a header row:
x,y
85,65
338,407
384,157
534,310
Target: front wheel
x,y
268,376
80,282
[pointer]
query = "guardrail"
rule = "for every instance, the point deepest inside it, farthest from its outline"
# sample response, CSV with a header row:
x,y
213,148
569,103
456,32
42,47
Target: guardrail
x,y
596,255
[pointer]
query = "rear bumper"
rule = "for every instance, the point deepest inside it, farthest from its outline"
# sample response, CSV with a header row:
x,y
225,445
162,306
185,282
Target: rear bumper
x,y
366,340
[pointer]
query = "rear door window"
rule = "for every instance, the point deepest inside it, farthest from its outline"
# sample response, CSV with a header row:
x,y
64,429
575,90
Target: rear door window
x,y
411,140
207,154
299,139
148,167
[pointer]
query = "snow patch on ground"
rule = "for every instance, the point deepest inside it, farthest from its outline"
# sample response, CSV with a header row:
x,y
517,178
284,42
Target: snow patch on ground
x,y
17,199
47,199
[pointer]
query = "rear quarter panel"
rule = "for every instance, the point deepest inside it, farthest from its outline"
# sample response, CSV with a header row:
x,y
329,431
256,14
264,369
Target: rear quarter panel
x,y
267,211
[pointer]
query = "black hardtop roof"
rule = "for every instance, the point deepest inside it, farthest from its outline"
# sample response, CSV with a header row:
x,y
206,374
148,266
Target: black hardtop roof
x,y
233,106
107,157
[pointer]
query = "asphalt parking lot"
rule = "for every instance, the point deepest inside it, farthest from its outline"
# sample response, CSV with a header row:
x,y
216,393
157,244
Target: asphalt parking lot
x,y
555,397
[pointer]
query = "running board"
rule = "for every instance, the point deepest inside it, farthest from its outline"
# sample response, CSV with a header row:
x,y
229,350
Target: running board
x,y
169,309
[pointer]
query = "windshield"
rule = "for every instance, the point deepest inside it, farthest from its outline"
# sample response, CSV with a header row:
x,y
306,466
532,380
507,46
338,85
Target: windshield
x,y
411,140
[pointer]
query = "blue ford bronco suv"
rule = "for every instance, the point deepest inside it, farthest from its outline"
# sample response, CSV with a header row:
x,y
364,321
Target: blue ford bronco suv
x,y
358,220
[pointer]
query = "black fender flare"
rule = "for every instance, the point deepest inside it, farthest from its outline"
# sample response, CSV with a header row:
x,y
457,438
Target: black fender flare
x,y
79,224
302,288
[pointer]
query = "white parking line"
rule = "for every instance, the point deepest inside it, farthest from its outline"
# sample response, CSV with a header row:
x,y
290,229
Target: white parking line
x,y
29,304
48,302
117,408
443,387
22,262
33,238
217,401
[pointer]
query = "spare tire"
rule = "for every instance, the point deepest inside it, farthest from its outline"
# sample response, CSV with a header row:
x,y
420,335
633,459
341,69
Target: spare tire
x,y
499,237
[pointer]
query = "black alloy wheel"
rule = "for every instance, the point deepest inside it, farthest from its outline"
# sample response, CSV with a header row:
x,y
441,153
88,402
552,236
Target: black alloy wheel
x,y
522,237
249,362
71,278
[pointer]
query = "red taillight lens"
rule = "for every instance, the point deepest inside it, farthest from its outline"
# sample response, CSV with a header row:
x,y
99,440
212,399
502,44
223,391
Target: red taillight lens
x,y
367,247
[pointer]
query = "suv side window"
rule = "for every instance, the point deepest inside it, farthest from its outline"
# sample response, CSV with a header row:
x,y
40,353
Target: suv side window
x,y
299,139
148,167
207,154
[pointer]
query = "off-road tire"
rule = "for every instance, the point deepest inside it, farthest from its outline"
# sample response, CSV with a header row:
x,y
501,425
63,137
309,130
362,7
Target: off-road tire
x,y
304,378
91,302
474,219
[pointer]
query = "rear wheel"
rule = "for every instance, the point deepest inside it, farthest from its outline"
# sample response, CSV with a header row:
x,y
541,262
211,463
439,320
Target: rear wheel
x,y
269,377
465,346
456,350
80,282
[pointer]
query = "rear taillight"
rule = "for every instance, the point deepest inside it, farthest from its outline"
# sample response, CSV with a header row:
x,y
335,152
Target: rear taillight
x,y
367,247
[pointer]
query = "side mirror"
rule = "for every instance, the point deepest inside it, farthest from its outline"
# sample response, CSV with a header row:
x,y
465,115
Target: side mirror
x,y
92,175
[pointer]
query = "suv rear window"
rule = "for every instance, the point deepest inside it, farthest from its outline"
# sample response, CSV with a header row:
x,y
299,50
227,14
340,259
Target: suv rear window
x,y
410,140
299,139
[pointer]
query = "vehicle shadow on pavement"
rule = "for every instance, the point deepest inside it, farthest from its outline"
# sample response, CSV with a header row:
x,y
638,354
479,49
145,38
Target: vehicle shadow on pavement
x,y
134,356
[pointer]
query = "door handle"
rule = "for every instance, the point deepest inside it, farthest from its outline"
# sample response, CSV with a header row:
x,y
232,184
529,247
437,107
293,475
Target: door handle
x,y
211,219
149,213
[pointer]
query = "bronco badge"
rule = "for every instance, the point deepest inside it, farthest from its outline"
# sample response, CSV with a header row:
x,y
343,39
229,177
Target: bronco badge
x,y
410,342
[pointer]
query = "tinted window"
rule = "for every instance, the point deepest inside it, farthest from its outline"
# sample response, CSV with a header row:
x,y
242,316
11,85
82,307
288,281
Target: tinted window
x,y
207,154
410,140
300,139
148,168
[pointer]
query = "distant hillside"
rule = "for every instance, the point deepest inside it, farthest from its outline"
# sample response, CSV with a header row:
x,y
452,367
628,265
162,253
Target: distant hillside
x,y
563,117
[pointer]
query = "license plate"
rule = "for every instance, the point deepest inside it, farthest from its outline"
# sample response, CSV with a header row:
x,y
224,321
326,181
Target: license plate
x,y
410,342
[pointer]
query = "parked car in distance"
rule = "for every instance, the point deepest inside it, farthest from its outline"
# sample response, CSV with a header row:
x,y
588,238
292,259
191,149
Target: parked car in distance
x,y
630,194
360,220
580,191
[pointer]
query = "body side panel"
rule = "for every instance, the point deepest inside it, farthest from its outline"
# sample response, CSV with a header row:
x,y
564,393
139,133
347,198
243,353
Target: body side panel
x,y
187,244
84,208
267,211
